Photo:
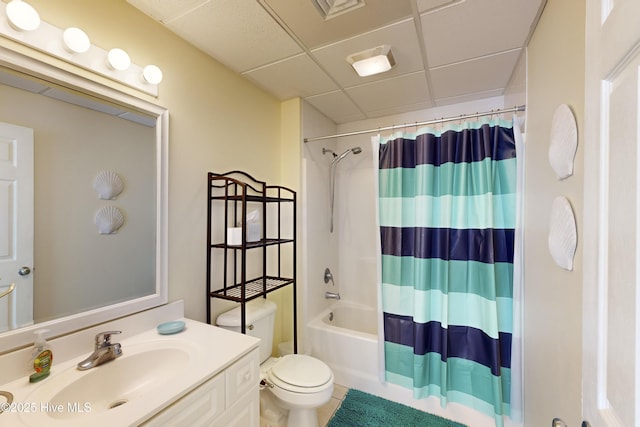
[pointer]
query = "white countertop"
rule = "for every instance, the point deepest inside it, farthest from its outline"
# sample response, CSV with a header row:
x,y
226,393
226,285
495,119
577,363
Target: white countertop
x,y
211,350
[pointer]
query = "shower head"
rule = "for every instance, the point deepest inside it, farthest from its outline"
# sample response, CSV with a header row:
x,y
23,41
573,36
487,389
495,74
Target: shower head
x,y
332,176
354,150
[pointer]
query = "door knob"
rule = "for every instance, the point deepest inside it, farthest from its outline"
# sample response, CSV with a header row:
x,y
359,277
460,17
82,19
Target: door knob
x,y
24,271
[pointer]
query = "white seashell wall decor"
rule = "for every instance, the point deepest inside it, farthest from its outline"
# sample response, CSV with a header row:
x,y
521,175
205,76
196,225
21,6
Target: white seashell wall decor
x,y
563,234
108,184
564,141
109,219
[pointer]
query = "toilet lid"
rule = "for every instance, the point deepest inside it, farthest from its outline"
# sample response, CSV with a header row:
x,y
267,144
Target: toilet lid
x,y
301,371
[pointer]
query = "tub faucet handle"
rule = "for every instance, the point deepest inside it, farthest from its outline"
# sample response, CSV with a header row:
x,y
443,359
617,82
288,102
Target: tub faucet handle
x,y
328,276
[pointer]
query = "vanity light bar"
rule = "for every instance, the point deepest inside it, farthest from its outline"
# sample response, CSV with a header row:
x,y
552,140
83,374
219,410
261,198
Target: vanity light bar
x,y
74,46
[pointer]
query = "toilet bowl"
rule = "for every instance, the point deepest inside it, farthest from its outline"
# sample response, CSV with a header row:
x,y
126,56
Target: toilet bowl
x,y
300,384
297,384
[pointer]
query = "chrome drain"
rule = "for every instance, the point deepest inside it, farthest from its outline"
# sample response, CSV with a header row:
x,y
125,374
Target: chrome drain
x,y
117,403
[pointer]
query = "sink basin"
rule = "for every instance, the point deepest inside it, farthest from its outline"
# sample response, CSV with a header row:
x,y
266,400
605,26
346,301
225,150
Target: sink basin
x,y
117,382
129,380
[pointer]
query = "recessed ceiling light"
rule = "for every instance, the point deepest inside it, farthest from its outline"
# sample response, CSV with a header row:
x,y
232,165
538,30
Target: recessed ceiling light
x,y
332,8
372,61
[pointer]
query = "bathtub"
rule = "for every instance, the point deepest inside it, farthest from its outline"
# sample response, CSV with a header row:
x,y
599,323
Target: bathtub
x,y
345,337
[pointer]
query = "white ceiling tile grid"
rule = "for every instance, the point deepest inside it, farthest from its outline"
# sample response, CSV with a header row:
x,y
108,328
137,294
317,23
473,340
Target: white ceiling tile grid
x,y
446,51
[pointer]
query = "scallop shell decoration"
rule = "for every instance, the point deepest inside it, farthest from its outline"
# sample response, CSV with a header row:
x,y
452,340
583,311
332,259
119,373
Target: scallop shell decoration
x,y
564,141
108,185
562,233
109,219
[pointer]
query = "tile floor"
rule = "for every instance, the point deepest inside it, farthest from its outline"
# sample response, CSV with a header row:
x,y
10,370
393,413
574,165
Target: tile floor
x,y
326,412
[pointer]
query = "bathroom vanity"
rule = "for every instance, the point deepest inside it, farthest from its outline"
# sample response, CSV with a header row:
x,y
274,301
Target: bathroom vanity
x,y
203,375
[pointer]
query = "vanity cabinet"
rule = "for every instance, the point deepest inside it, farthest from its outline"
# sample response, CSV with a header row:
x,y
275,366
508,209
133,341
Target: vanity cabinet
x,y
247,259
229,399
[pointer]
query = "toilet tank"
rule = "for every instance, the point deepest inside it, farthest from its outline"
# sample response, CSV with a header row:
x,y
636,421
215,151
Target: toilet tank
x,y
259,317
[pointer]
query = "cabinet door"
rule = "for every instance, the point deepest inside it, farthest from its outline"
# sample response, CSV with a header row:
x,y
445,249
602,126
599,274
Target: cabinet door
x,y
245,412
201,407
243,376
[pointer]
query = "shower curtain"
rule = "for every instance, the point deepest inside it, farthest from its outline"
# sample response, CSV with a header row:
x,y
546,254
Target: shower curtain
x,y
448,211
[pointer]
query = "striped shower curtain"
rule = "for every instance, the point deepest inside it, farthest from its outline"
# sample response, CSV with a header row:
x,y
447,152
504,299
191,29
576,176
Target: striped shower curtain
x,y
448,208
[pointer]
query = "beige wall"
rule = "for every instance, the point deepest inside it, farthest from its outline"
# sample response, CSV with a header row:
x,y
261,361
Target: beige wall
x,y
218,122
290,154
553,297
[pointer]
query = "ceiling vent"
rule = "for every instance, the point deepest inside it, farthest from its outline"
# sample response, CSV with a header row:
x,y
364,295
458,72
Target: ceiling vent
x,y
332,8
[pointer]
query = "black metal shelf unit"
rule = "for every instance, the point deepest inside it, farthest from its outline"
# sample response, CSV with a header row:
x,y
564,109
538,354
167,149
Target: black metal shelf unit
x,y
272,262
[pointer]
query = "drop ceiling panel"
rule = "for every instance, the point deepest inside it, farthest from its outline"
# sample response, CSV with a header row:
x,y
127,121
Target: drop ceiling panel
x,y
475,28
289,49
164,10
483,74
239,33
470,97
295,76
392,110
309,26
403,90
427,5
404,45
336,106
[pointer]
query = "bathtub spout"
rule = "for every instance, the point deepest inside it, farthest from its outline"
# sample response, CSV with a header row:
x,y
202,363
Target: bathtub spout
x,y
331,295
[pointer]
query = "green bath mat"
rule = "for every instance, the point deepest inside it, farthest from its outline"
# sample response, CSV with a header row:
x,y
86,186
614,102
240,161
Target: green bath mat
x,y
359,409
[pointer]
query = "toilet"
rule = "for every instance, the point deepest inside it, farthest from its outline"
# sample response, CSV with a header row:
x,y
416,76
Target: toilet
x,y
294,383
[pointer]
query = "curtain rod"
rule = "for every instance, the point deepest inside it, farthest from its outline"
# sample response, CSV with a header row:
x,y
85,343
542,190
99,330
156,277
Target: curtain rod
x,y
430,122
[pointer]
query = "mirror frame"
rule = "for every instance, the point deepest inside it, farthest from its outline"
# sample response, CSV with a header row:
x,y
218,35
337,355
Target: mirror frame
x,y
21,337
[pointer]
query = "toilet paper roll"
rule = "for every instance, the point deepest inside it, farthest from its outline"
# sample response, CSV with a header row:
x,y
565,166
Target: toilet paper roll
x,y
234,236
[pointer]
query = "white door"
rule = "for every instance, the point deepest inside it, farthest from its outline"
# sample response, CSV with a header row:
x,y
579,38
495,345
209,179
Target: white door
x,y
611,303
16,225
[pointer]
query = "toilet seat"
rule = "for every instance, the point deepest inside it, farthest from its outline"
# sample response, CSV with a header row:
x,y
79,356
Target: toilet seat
x,y
301,374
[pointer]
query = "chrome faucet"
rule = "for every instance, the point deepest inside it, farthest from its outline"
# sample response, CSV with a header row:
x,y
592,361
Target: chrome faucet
x,y
104,351
331,295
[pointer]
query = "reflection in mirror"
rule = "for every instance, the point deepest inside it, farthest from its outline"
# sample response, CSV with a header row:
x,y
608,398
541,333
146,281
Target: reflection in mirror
x,y
78,274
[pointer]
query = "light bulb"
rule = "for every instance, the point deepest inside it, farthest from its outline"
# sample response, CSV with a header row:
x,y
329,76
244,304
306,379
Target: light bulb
x,y
118,59
76,40
22,16
152,74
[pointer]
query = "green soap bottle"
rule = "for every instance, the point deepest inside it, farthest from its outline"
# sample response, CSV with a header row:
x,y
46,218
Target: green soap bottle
x,y
41,358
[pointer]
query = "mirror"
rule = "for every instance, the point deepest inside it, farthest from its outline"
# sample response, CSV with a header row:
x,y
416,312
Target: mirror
x,y
83,129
